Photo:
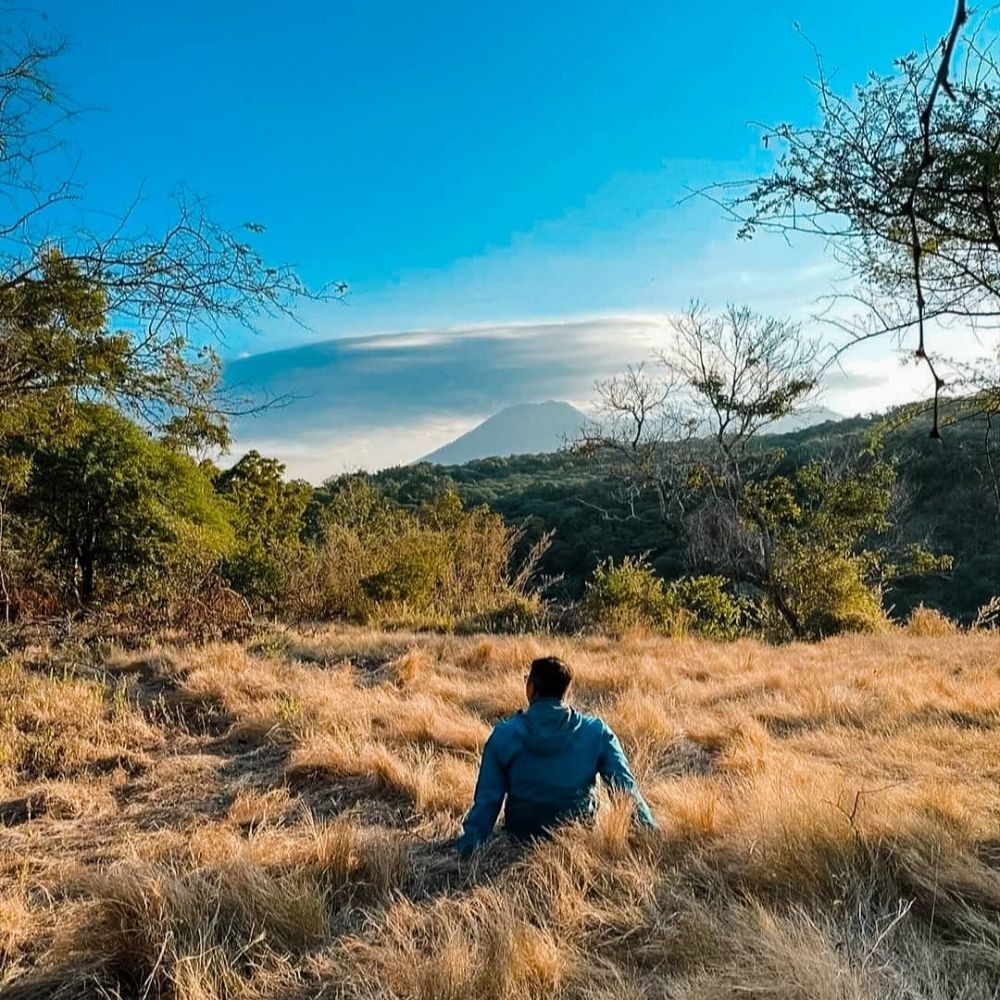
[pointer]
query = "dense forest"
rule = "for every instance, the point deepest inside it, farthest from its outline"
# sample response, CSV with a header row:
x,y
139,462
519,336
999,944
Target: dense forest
x,y
948,503
870,518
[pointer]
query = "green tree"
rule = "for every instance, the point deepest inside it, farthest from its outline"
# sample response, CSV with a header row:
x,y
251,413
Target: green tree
x,y
117,313
267,517
117,513
831,527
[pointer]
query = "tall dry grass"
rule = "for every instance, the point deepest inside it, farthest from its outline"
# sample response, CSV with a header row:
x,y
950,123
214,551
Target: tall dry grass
x,y
271,820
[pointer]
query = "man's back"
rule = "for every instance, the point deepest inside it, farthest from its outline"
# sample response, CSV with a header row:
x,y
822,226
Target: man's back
x,y
545,761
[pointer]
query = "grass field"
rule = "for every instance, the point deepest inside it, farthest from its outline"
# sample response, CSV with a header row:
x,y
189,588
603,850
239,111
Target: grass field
x,y
267,820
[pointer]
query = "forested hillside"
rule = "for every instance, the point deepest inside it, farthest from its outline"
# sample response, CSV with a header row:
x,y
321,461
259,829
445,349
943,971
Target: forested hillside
x,y
949,502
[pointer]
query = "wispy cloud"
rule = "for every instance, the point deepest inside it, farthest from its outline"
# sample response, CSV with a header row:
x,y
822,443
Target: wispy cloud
x,y
317,456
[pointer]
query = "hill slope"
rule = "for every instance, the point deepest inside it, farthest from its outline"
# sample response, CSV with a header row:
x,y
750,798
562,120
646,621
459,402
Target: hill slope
x,y
800,421
525,429
950,506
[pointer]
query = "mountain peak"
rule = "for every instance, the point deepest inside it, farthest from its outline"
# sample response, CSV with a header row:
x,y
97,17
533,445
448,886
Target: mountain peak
x,y
522,429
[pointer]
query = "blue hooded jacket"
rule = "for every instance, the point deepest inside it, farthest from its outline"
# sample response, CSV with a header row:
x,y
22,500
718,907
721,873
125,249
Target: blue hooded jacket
x,y
545,762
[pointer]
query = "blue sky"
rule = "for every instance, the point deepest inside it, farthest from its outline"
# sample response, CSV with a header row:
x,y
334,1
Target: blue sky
x,y
468,164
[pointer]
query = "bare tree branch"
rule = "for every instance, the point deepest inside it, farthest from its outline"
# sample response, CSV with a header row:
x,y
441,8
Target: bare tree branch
x,y
902,187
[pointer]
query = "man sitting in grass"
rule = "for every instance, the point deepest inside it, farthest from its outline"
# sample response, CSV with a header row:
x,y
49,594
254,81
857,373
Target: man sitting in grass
x,y
545,762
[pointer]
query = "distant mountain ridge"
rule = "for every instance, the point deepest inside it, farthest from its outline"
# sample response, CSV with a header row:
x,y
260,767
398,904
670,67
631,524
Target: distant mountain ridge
x,y
801,419
541,428
524,429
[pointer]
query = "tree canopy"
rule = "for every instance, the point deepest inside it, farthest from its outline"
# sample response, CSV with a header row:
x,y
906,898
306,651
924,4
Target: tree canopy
x,y
117,513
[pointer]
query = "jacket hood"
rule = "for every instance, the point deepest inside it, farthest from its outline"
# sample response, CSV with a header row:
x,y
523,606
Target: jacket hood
x,y
549,726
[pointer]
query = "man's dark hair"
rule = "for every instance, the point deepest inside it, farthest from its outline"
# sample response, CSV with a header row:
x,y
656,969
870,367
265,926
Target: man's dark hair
x,y
550,677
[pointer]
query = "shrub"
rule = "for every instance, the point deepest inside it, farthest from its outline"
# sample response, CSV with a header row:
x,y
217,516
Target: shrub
x,y
828,594
713,611
325,581
418,567
629,595
929,623
523,613
441,566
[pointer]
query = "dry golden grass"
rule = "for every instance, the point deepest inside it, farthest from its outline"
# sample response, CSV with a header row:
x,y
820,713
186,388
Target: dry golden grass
x,y
269,820
930,622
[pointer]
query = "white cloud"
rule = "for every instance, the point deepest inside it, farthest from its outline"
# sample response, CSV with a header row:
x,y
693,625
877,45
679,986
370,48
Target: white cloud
x,y
316,458
391,398
592,328
396,341
870,385
884,372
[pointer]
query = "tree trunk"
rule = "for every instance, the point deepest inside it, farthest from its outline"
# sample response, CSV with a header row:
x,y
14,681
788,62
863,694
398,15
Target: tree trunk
x,y
87,583
791,618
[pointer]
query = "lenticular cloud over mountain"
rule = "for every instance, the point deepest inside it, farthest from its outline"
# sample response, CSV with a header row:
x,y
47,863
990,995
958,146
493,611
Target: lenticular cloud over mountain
x,y
367,402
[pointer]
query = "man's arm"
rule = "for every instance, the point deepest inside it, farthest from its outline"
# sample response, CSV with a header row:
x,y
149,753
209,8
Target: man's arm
x,y
491,788
615,772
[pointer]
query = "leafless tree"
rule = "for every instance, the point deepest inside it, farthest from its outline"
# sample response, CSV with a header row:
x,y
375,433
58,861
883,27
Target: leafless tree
x,y
721,380
739,371
687,430
639,412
